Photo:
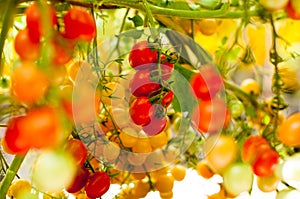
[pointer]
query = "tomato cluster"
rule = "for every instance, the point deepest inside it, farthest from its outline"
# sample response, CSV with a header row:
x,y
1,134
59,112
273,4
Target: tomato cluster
x,y
257,151
211,113
95,183
151,96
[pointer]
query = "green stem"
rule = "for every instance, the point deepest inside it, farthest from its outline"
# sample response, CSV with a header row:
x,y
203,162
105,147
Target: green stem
x,y
241,94
10,175
148,12
7,23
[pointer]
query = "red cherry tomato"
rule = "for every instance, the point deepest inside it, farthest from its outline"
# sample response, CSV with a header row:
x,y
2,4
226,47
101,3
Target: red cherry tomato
x,y
167,99
156,126
141,111
142,84
251,147
25,47
97,185
207,83
63,50
79,181
141,55
39,128
291,12
210,116
265,162
12,139
78,150
34,19
79,24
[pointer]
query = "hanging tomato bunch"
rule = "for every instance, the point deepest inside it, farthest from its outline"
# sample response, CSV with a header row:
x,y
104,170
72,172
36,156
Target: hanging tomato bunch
x,y
135,93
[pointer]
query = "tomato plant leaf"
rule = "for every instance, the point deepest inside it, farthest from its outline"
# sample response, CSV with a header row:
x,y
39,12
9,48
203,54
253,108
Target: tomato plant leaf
x,y
137,20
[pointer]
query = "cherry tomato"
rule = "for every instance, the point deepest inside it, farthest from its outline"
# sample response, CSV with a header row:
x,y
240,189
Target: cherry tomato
x,y
238,177
78,150
34,19
268,184
203,170
97,185
251,147
273,5
288,132
291,12
142,84
79,24
29,84
210,116
265,162
12,139
167,99
40,128
63,50
141,55
156,126
207,26
141,111
79,181
207,83
220,151
25,47
250,86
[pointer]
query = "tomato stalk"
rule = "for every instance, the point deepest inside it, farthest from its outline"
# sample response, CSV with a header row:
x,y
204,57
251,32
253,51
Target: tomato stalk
x,y
7,23
10,174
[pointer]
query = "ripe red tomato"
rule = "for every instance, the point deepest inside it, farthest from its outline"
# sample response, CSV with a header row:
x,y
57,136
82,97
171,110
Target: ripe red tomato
x,y
251,147
210,116
207,83
79,24
167,99
25,47
79,181
40,128
141,111
12,139
78,150
265,162
97,185
291,12
142,84
288,132
29,84
63,50
156,126
141,55
34,19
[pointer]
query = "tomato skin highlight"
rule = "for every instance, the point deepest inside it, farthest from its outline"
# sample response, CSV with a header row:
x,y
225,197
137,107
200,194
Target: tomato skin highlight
x,y
141,55
79,24
141,111
97,185
25,47
34,17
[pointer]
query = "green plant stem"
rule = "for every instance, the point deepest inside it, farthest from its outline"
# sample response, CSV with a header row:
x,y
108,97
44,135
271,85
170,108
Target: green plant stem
x,y
10,174
241,94
7,23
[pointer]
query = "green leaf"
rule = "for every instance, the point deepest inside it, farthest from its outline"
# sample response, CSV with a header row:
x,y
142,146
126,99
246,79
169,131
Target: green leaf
x,y
136,34
251,112
137,20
